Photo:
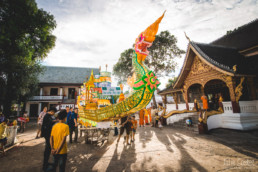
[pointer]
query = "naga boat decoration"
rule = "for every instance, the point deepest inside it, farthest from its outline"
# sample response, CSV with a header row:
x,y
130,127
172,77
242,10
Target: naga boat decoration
x,y
144,84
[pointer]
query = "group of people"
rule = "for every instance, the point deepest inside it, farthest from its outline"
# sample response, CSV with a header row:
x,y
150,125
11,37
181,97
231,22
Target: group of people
x,y
151,116
55,130
128,124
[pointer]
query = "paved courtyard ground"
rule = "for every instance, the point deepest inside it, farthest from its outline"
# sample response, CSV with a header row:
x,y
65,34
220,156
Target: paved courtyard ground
x,y
168,149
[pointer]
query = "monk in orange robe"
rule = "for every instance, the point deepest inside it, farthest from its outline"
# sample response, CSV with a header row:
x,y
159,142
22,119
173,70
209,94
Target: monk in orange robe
x,y
204,102
149,112
146,116
141,116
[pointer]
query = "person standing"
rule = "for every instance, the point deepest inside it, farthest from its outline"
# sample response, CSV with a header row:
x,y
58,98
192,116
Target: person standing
x,y
146,117
3,137
125,125
69,120
58,141
134,127
153,115
48,122
157,120
141,116
73,126
1,117
204,102
23,121
40,121
115,127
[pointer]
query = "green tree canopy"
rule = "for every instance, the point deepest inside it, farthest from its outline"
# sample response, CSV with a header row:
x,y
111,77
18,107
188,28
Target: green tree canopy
x,y
164,50
25,40
123,68
171,82
161,58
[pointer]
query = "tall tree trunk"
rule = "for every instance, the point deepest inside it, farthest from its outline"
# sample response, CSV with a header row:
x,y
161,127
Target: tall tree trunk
x,y
154,100
24,107
7,107
8,97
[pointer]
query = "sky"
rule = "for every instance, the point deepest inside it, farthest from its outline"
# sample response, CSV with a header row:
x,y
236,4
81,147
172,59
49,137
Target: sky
x,y
93,33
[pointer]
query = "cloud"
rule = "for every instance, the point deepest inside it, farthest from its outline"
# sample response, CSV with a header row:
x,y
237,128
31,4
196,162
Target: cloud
x,y
91,33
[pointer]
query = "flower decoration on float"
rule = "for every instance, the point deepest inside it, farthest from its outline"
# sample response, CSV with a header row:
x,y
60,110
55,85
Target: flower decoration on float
x,y
149,80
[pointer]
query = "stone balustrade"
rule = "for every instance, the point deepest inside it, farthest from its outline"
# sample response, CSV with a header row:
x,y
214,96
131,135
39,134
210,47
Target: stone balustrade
x,y
46,98
248,106
227,107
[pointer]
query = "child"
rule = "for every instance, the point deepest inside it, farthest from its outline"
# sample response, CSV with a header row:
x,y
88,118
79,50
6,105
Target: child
x,y
157,120
116,129
1,117
23,121
3,138
189,122
58,141
134,127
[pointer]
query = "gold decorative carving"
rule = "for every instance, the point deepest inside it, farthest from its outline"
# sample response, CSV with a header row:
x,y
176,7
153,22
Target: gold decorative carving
x,y
184,93
230,82
235,68
239,88
187,37
198,67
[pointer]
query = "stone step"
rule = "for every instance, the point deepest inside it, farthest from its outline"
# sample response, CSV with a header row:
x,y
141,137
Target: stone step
x,y
181,124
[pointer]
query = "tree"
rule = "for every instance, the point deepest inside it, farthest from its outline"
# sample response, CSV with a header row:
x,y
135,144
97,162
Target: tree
x,y
25,40
171,82
123,68
160,59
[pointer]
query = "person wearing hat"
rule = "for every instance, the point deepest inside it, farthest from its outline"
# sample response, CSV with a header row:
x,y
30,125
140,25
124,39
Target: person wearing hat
x,y
48,122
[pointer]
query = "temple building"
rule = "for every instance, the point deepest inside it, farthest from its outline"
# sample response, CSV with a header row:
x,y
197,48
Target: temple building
x,y
59,87
223,70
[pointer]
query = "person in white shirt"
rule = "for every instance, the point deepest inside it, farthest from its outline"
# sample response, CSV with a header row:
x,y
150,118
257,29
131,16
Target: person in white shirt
x,y
40,121
154,110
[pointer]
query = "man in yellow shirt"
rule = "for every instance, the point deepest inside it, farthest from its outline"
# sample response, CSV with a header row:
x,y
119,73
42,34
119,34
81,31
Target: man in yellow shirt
x,y
3,138
58,141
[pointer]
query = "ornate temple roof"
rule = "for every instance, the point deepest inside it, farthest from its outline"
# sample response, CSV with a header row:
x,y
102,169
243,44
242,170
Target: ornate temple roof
x,y
236,50
241,38
220,58
65,75
170,89
223,57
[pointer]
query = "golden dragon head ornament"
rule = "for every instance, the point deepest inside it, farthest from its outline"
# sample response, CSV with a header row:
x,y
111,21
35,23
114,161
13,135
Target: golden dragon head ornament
x,y
145,40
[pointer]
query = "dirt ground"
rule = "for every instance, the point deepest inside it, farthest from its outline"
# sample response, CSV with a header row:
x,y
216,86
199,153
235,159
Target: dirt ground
x,y
166,149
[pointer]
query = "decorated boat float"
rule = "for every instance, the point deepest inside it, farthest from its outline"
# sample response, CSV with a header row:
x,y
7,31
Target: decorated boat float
x,y
93,108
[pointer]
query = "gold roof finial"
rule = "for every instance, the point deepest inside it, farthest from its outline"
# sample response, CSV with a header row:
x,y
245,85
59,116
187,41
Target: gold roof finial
x,y
187,37
121,87
152,30
235,68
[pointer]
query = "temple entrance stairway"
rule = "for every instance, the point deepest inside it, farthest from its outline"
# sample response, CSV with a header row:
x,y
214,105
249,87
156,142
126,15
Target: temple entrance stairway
x,y
179,121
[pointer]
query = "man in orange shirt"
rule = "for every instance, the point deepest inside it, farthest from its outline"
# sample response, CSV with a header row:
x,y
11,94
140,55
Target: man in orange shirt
x,y
58,141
